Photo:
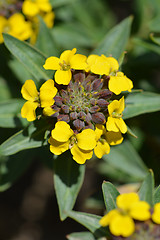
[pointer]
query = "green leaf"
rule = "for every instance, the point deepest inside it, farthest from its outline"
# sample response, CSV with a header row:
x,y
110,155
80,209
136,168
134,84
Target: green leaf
x,y
155,38
45,41
29,56
110,194
140,103
4,90
147,188
59,3
13,167
31,137
68,178
150,46
116,39
125,158
10,116
157,195
80,236
90,221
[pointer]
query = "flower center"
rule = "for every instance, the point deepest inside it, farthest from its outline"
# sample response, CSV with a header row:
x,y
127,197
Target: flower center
x,y
117,115
64,66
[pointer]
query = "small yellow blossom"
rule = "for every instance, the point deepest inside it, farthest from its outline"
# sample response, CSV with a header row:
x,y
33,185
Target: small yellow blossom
x,y
67,61
119,83
156,213
81,145
34,99
32,8
120,220
15,26
115,122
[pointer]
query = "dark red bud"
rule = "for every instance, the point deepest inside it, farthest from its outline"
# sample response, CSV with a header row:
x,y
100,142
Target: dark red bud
x,y
65,108
97,84
93,101
78,124
63,117
94,109
88,118
102,103
98,118
73,115
81,115
58,101
105,93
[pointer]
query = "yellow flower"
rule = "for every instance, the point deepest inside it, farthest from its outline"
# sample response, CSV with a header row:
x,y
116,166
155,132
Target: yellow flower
x,y
119,83
115,122
35,99
81,145
32,8
104,139
156,213
15,26
67,61
120,220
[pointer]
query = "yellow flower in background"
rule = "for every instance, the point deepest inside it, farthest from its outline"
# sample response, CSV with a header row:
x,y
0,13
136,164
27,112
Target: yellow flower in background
x,y
119,83
120,220
15,26
156,213
81,145
64,64
32,8
115,122
34,99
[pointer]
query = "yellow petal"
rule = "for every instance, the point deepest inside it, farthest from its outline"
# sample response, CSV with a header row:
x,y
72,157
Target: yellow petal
x,y
44,6
63,77
78,61
114,66
125,200
29,91
58,147
114,107
48,111
90,61
120,124
156,213
86,140
30,8
140,211
52,63
105,220
114,138
110,125
122,225
67,55
99,131
101,149
62,132
47,93
121,105
100,67
49,19
3,24
118,84
79,155
28,110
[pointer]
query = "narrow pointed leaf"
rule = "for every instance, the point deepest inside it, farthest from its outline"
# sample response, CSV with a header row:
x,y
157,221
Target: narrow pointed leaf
x,y
80,236
116,39
90,221
29,56
140,103
146,190
110,194
157,195
10,116
68,179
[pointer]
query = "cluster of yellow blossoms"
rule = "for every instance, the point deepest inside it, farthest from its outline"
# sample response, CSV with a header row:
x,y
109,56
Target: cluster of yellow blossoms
x,y
24,23
82,100
121,221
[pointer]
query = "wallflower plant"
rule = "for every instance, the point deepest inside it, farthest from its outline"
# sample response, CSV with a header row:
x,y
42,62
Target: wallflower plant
x,y
82,104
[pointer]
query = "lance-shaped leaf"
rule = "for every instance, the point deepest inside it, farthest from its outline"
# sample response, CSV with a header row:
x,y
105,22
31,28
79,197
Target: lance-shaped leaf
x,y
146,190
110,194
116,39
157,195
90,221
81,236
29,56
32,136
45,41
125,158
140,103
68,178
10,116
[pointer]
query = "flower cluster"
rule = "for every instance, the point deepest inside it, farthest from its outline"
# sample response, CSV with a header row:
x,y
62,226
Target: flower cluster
x,y
122,220
84,102
21,19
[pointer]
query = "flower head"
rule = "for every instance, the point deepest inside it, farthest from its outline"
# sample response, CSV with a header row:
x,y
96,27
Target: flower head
x,y
115,122
64,64
121,220
32,8
34,99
